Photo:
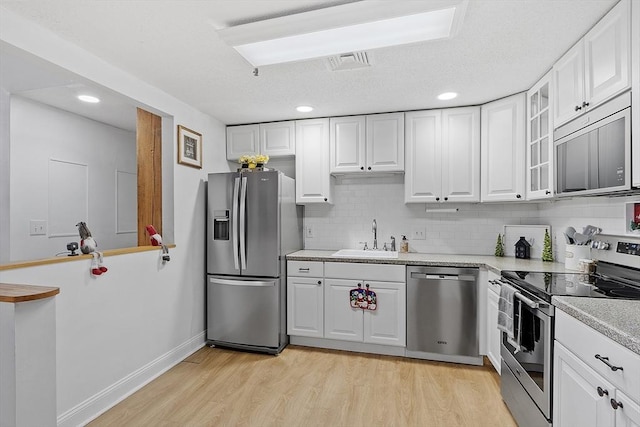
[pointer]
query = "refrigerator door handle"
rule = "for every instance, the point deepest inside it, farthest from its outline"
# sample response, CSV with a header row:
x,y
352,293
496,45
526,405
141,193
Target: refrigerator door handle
x,y
236,189
254,283
243,223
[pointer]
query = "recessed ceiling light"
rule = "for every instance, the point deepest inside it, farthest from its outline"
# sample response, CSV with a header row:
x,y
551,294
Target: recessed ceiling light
x,y
447,95
304,109
88,98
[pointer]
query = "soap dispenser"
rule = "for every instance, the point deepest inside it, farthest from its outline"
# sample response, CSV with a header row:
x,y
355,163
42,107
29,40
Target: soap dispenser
x,y
404,244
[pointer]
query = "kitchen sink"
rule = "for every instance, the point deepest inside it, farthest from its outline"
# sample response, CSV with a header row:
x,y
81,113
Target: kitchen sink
x,y
360,253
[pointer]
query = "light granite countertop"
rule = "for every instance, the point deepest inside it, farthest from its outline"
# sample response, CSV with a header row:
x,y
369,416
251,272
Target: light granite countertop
x,y
494,263
617,319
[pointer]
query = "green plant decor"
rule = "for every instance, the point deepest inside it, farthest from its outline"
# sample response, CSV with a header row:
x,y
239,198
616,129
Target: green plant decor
x,y
499,247
547,251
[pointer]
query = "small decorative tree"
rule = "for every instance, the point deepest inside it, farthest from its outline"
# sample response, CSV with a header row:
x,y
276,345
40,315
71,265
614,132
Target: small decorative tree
x,y
499,247
547,250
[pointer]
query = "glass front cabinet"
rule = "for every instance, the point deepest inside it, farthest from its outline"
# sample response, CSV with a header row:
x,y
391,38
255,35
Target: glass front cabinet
x,y
540,140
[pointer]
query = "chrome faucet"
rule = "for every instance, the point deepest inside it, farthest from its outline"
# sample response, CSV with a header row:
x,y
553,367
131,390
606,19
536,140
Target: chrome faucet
x,y
393,243
375,235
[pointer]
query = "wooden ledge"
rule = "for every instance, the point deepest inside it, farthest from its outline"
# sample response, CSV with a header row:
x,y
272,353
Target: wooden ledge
x,y
21,293
56,260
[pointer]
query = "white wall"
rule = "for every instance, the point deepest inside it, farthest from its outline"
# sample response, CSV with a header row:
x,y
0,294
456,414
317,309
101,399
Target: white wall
x,y
605,212
5,106
471,230
357,201
117,330
41,134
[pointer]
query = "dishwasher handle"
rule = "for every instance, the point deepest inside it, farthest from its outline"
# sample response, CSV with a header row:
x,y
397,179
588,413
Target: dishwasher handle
x,y
456,277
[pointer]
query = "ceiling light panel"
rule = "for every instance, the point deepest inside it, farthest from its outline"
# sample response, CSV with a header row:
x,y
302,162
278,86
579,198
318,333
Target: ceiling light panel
x,y
270,42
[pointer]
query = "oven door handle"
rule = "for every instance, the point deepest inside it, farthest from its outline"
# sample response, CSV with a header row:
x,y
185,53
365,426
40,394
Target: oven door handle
x,y
527,301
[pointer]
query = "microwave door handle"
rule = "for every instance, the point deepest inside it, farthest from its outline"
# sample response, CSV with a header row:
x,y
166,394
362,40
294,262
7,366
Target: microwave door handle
x,y
234,205
243,223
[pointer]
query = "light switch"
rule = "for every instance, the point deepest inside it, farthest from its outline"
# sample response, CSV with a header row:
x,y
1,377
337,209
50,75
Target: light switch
x,y
309,232
417,234
38,227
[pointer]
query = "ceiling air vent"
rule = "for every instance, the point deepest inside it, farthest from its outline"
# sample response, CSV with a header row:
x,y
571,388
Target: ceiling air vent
x,y
349,61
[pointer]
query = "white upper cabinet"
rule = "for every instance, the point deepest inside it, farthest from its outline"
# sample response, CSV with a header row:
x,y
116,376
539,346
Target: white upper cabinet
x,y
242,140
278,139
461,154
385,142
313,181
502,152
596,68
442,155
275,139
540,140
367,143
347,135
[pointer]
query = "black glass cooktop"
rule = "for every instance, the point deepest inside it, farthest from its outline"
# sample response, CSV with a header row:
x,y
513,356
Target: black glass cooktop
x,y
546,285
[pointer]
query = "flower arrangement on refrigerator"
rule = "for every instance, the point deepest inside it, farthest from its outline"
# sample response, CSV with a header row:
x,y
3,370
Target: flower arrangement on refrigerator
x,y
253,161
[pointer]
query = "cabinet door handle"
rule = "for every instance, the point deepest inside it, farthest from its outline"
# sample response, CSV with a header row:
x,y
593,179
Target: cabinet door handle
x,y
446,198
303,270
437,199
361,168
585,104
605,360
369,168
518,196
325,199
319,282
616,405
578,108
602,392
547,192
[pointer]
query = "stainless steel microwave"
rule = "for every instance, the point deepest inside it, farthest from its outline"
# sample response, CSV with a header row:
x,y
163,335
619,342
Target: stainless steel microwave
x,y
593,152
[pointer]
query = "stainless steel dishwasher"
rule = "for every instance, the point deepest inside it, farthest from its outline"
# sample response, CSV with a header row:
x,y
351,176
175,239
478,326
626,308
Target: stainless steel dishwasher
x,y
442,314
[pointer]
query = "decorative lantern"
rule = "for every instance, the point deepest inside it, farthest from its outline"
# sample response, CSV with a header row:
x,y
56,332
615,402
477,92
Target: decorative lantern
x,y
523,248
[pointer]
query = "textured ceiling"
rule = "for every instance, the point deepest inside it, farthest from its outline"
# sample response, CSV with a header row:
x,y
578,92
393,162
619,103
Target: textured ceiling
x,y
503,47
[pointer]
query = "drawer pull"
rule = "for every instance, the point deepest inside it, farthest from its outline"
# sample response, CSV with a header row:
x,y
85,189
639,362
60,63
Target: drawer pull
x,y
602,392
616,405
303,270
605,360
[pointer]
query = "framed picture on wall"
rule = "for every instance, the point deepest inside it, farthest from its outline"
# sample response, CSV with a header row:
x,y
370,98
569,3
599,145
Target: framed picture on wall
x,y
189,147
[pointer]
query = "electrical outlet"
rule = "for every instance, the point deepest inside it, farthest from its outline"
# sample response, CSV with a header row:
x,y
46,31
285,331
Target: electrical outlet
x,y
417,234
37,227
309,232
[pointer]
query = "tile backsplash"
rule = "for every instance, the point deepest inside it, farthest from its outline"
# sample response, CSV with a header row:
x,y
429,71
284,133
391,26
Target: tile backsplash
x,y
473,229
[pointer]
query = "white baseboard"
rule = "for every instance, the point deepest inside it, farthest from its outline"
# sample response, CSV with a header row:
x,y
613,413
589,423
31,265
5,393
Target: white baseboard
x,y
99,403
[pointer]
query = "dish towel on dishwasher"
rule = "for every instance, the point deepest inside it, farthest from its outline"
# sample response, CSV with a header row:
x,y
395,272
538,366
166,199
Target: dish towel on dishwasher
x,y
507,315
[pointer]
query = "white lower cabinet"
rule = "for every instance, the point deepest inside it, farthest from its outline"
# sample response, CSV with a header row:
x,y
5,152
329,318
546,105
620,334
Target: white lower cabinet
x,y
629,415
577,393
493,334
305,303
341,321
385,325
318,304
587,390
305,306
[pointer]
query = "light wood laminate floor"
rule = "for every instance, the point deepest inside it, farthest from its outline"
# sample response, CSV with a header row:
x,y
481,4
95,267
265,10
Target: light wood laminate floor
x,y
314,387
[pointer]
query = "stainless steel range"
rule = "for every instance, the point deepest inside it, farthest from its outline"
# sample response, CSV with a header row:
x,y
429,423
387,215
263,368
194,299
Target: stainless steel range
x,y
527,372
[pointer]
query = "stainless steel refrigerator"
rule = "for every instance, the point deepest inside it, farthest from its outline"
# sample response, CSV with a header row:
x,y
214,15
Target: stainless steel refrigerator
x,y
253,223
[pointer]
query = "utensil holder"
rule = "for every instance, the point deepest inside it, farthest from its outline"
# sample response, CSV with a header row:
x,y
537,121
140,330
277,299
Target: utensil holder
x,y
573,254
